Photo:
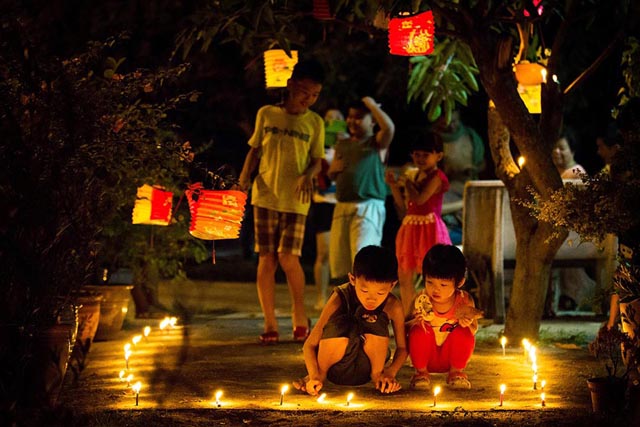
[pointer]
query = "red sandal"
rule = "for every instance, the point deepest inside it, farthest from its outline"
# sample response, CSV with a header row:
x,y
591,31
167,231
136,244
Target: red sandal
x,y
300,333
268,338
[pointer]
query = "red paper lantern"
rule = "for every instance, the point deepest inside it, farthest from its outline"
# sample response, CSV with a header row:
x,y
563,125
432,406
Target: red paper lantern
x,y
412,35
215,214
321,10
152,206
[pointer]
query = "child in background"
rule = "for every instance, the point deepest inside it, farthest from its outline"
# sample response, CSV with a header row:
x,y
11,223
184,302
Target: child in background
x,y
442,330
349,345
422,226
323,203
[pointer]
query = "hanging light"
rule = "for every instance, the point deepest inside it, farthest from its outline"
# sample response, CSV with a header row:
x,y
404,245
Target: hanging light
x,y
321,10
530,73
412,35
278,67
152,206
215,214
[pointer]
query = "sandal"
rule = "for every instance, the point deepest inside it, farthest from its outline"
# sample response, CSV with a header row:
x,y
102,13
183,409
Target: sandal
x,y
300,333
420,381
268,338
458,380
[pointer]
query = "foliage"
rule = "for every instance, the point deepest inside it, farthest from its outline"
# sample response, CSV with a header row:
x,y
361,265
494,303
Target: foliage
x,y
608,347
77,146
443,79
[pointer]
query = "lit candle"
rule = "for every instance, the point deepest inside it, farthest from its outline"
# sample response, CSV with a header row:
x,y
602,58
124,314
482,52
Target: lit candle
x,y
127,347
164,323
136,389
322,397
535,381
218,396
502,389
535,368
521,161
436,392
129,379
349,397
127,354
503,342
146,331
173,321
542,384
543,402
532,354
283,390
136,339
121,375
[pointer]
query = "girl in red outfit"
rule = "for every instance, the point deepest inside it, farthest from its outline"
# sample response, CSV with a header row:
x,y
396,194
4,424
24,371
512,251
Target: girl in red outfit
x,y
444,322
422,226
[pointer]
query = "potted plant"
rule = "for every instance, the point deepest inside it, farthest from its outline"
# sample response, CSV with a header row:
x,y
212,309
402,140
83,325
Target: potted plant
x,y
608,392
78,138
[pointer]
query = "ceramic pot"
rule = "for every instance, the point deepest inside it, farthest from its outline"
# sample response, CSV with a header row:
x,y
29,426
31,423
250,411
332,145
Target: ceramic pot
x,y
607,394
88,304
113,309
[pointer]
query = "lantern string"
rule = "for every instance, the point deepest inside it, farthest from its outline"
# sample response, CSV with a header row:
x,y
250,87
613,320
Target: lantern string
x,y
213,252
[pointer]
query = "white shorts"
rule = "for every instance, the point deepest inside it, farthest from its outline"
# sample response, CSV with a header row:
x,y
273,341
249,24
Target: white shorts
x,y
354,226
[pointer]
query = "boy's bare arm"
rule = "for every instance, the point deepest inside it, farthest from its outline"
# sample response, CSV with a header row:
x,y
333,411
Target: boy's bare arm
x,y
311,344
250,164
396,315
386,125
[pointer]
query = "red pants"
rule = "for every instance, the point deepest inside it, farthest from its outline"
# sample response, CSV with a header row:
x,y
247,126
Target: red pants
x,y
454,353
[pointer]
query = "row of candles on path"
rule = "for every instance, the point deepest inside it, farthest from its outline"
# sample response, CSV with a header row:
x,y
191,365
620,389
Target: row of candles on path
x,y
167,322
530,351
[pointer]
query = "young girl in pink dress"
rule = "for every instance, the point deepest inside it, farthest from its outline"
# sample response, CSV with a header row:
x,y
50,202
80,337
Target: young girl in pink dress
x,y
422,226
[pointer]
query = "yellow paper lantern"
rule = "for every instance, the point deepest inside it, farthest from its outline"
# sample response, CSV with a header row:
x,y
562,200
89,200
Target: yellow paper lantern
x,y
152,206
531,96
278,67
215,214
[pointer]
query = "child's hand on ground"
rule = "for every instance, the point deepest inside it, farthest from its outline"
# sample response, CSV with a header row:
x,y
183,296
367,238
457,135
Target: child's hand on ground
x,y
387,383
313,387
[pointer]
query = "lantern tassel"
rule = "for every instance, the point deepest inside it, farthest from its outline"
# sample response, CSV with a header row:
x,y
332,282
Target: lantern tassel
x,y
213,251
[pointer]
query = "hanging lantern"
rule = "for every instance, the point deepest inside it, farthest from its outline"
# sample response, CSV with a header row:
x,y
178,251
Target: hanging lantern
x,y
215,214
152,206
528,73
531,96
321,10
278,67
412,35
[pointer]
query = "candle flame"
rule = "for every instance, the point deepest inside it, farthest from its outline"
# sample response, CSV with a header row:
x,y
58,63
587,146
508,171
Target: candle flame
x,y
164,323
136,339
136,387
173,321
436,391
121,375
284,389
349,397
543,383
503,387
321,398
535,377
218,395
127,347
542,397
129,378
521,161
127,354
503,340
146,331
526,344
543,73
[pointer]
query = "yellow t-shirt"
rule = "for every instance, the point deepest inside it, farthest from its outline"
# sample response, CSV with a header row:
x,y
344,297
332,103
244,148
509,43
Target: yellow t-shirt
x,y
287,144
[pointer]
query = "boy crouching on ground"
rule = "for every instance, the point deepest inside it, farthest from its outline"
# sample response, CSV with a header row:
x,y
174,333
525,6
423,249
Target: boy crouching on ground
x,y
349,345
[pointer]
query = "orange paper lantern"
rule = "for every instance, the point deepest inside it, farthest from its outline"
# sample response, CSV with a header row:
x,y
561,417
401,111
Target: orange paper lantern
x,y
530,73
278,67
215,214
152,206
412,35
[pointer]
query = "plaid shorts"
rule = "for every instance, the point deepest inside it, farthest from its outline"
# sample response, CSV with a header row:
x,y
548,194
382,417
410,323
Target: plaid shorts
x,y
281,232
